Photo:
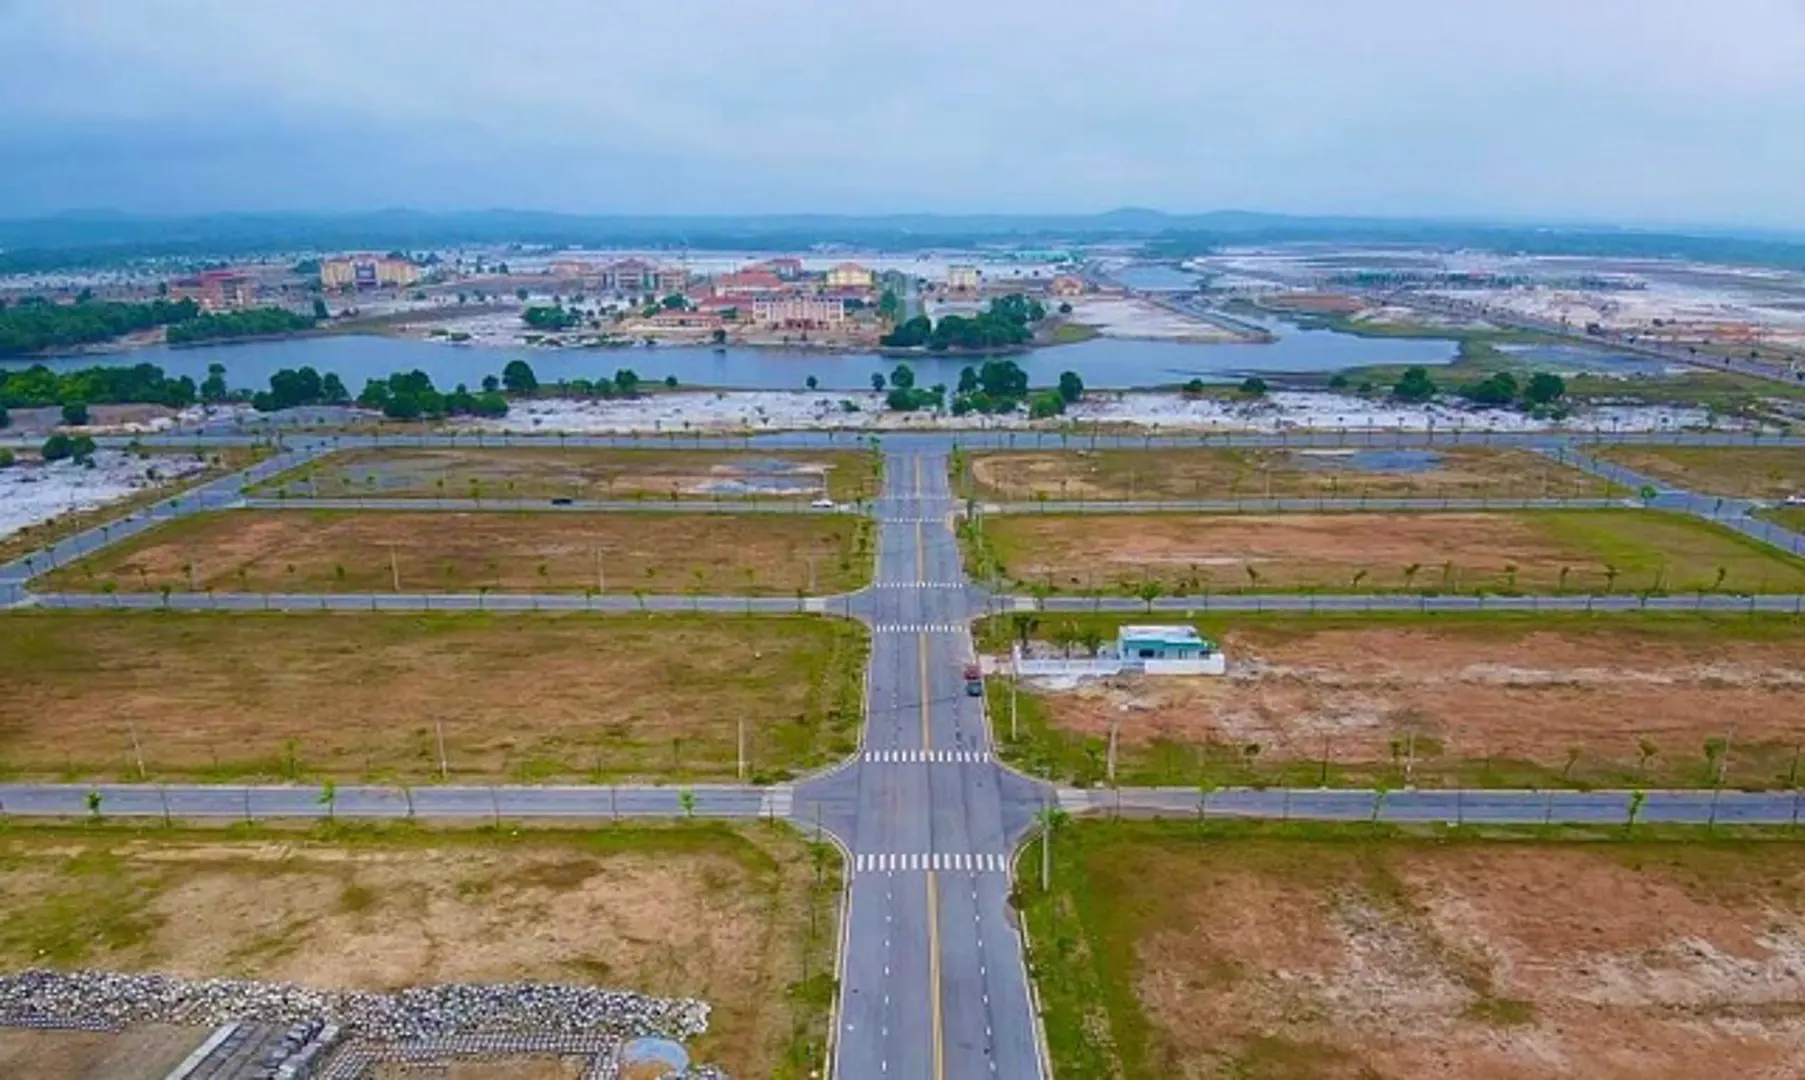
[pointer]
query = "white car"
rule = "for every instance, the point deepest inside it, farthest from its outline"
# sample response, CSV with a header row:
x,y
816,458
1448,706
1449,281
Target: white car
x,y
823,503
1795,500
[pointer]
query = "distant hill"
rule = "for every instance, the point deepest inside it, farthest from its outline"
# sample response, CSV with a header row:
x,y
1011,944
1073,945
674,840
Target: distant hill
x,y
90,238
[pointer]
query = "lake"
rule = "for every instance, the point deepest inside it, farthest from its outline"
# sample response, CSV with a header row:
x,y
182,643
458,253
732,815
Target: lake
x,y
1100,362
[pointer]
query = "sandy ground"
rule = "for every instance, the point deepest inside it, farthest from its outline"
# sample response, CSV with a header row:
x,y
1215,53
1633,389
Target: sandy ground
x,y
577,473
1452,552
1223,474
431,551
775,410
1471,962
1118,317
32,492
235,695
1467,694
711,913
119,419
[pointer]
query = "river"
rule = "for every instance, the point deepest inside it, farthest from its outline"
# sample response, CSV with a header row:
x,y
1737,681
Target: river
x,y
1100,362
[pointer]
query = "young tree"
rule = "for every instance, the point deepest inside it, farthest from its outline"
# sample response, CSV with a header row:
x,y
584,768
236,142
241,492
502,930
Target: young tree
x,y
1071,387
518,377
687,799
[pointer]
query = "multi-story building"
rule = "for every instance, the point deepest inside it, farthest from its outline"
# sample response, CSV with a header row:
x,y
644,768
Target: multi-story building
x,y
748,282
849,276
963,277
639,276
216,290
367,272
785,267
1067,285
792,312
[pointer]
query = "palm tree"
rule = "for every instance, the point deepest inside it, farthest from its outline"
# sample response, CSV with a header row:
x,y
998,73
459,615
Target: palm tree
x,y
329,797
687,799
1610,577
1149,591
1051,820
1410,573
1359,576
94,800
1637,798
1253,576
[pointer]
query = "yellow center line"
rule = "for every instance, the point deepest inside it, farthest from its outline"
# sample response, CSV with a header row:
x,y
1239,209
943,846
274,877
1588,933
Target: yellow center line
x,y
934,973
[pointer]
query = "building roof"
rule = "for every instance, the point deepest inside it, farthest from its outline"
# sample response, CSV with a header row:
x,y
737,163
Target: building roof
x,y
852,266
1165,635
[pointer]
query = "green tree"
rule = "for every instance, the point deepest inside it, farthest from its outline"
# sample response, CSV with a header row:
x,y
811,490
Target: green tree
x,y
1071,387
1414,385
75,414
320,310
1253,386
518,377
687,800
811,382
903,378
329,798
877,381
1544,388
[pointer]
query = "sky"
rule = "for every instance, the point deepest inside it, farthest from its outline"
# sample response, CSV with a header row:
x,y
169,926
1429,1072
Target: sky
x,y
1626,111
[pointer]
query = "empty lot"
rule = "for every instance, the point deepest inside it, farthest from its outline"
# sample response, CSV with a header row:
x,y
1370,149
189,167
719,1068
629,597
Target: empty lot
x,y
431,551
1745,472
1442,700
1429,473
582,473
1234,954
1500,551
220,696
712,911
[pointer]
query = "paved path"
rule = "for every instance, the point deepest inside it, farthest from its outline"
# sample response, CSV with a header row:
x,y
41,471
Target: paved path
x,y
439,802
573,506
1451,806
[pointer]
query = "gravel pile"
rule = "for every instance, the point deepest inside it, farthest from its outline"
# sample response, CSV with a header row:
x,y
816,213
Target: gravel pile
x,y
425,1013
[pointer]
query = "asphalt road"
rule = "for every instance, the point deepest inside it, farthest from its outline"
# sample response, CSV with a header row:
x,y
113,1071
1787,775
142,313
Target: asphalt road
x,y
933,983
590,506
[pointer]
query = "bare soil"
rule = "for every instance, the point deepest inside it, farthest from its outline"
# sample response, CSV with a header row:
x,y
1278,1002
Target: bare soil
x,y
1744,472
1455,472
1527,551
220,696
144,1053
707,911
1469,962
432,551
581,473
1611,706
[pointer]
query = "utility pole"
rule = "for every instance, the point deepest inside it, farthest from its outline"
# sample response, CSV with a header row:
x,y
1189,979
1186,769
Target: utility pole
x,y
1046,849
394,569
601,583
1110,759
1014,674
740,745
444,765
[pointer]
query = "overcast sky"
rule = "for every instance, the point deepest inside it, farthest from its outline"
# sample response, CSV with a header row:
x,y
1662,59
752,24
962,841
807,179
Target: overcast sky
x,y
1643,111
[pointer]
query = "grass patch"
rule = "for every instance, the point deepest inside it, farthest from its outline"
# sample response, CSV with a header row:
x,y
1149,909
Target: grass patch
x,y
232,696
1104,475
356,551
1513,700
250,902
1231,950
1528,552
581,473
1770,473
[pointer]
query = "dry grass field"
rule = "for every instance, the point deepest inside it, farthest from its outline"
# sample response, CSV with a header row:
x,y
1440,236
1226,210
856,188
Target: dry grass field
x,y
713,911
300,696
1744,472
1421,473
1543,551
1170,950
582,473
364,551
1442,700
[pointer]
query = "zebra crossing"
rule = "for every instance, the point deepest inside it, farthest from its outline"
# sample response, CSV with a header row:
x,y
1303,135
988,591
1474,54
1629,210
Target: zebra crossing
x,y
920,628
912,520
927,757
970,862
918,584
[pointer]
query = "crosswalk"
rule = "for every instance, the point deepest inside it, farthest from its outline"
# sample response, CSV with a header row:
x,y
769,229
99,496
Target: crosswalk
x,y
920,628
918,584
970,862
927,757
913,520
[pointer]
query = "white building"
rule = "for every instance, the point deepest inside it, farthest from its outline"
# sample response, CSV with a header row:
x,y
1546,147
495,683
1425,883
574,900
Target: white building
x,y
963,277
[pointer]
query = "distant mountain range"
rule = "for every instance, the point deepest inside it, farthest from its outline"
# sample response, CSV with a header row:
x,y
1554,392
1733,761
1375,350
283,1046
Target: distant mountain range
x,y
87,238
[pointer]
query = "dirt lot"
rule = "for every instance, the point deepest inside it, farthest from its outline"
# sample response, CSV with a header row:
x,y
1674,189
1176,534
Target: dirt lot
x,y
1256,474
1337,959
578,473
432,551
1451,699
716,912
1502,551
147,1053
219,696
1750,473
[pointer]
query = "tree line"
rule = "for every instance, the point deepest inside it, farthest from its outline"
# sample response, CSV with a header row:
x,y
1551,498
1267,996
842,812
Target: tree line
x,y
34,324
1006,322
38,386
997,386
254,322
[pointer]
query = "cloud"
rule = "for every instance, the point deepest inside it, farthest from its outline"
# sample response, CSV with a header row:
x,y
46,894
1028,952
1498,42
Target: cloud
x,y
1640,109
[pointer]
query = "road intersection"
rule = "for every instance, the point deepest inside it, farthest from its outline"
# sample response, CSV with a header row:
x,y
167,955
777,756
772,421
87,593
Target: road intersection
x,y
933,982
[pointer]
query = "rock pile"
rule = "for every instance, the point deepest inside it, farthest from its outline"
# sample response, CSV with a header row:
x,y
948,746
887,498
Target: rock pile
x,y
38,998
